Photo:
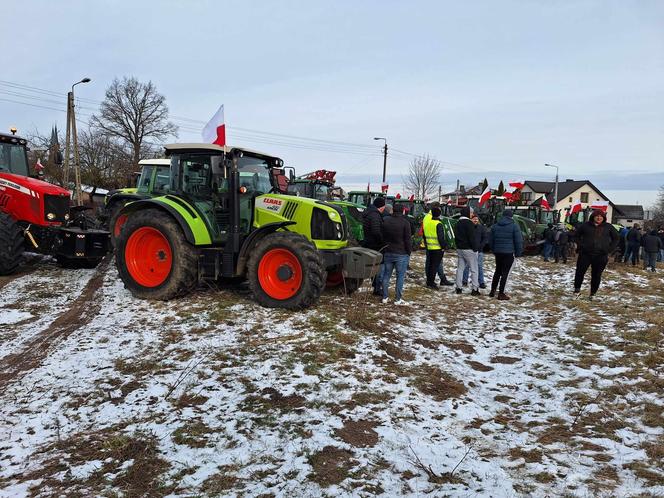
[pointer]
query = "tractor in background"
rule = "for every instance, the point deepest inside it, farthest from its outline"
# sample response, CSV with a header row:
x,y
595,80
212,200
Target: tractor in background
x,y
320,185
226,215
37,216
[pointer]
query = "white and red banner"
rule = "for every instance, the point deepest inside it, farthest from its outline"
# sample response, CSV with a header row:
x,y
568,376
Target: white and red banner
x,y
486,195
600,205
384,187
576,208
545,204
215,131
517,185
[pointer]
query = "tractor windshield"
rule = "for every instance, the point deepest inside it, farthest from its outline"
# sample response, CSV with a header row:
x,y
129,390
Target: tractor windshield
x,y
13,159
254,174
194,173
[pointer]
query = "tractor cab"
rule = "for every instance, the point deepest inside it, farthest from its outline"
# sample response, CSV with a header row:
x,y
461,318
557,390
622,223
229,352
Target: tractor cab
x,y
363,197
13,155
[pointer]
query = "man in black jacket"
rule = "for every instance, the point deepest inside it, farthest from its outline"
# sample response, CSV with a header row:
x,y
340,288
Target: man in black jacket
x,y
596,239
467,243
633,244
652,245
397,237
372,223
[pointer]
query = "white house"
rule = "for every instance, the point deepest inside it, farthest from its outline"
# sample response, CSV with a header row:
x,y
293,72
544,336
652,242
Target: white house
x,y
569,192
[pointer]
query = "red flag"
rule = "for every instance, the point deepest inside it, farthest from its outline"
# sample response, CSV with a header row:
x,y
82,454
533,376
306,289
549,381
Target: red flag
x,y
507,196
398,196
486,195
412,197
517,185
215,131
384,187
545,204
600,205
576,207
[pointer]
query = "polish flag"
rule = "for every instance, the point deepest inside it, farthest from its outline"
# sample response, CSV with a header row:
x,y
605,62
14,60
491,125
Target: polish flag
x,y
412,197
517,185
398,196
215,131
576,208
384,187
486,195
507,196
600,205
545,204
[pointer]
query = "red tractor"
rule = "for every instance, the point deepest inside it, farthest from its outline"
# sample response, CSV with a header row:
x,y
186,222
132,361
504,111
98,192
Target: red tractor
x,y
35,216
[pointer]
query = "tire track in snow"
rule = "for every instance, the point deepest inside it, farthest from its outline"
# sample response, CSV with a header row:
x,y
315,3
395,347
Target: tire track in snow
x,y
82,311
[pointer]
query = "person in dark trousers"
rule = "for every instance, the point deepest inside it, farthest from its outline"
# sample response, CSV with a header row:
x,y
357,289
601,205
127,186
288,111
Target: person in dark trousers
x,y
652,245
660,234
633,244
468,245
398,240
560,244
441,270
372,223
549,235
596,240
506,243
435,243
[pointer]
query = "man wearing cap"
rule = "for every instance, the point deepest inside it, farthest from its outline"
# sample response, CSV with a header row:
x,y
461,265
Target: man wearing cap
x,y
372,223
596,240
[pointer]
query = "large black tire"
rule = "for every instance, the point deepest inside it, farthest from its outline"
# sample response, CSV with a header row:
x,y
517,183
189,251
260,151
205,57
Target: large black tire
x,y
182,273
112,221
307,262
11,245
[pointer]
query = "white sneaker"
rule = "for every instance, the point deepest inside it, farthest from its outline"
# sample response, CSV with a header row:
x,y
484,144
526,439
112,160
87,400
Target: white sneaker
x,y
384,301
401,302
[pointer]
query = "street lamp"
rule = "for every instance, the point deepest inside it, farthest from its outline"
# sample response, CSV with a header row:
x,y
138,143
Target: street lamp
x,y
555,192
384,157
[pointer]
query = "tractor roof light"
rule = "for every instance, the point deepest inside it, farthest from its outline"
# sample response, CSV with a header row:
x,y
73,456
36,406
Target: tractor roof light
x,y
243,190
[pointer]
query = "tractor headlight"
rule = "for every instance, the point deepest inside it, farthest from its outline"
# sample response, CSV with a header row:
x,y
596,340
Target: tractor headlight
x,y
50,216
340,233
333,215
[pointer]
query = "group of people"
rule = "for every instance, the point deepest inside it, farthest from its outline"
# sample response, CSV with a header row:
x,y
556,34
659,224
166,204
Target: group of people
x,y
557,242
386,229
636,245
390,233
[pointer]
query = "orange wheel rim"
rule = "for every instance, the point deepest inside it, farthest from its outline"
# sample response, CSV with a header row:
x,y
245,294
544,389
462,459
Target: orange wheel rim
x,y
334,279
280,274
119,223
148,256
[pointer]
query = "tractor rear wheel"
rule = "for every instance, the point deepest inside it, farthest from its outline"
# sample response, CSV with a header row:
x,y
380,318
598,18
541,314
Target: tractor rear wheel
x,y
285,271
11,244
153,258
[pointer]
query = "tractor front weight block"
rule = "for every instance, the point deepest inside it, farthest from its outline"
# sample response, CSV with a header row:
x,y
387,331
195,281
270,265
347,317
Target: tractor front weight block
x,y
76,243
354,262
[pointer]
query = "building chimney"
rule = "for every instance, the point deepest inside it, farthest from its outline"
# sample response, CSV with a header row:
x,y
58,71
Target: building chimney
x,y
569,179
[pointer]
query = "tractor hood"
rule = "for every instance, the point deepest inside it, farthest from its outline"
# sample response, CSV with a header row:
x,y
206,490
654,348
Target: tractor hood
x,y
29,185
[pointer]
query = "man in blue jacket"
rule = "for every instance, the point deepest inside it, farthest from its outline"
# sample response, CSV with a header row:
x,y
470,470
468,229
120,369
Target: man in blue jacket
x,y
506,243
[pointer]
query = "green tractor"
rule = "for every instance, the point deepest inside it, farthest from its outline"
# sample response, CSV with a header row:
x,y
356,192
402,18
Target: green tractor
x,y
414,213
320,185
153,180
224,216
364,197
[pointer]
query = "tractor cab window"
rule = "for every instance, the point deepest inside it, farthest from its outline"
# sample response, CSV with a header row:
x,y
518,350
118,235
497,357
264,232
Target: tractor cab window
x,y
299,188
254,175
144,180
162,179
195,174
321,191
13,159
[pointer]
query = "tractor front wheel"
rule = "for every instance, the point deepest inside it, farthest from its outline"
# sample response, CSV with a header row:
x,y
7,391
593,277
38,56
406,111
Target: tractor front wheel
x,y
285,271
153,258
11,244
116,222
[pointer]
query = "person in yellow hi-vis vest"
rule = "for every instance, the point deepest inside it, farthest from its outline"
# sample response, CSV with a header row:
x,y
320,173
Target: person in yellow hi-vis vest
x,y
434,240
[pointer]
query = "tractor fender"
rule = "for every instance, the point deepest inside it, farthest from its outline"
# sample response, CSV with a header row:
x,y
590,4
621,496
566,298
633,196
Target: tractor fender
x,y
115,198
193,227
253,238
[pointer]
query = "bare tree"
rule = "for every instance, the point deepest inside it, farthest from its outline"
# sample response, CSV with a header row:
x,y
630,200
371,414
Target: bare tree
x,y
423,176
105,163
659,208
134,112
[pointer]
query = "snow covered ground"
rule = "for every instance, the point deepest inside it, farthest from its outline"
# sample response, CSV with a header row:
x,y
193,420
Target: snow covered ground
x,y
212,395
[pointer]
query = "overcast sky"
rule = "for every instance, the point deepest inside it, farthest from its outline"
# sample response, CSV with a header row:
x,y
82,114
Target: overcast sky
x,y
482,86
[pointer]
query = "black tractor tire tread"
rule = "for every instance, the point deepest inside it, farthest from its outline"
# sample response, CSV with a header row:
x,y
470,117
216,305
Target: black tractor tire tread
x,y
184,272
11,245
112,217
313,278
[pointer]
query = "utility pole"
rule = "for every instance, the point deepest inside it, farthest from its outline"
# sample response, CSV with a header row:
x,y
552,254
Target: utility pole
x,y
72,135
555,190
457,193
384,157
